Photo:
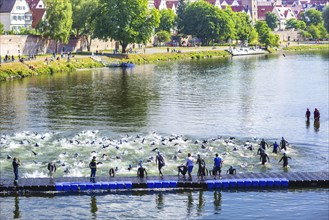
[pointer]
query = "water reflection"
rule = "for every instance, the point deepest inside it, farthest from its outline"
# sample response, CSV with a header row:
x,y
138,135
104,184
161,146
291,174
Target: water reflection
x,y
217,202
17,212
189,203
93,206
159,200
316,126
201,204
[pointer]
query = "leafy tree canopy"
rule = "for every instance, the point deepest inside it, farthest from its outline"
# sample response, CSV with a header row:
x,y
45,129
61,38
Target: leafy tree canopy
x,y
1,28
126,21
325,17
271,20
167,20
163,36
312,16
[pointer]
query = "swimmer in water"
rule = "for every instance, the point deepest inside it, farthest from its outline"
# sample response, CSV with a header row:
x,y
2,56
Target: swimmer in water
x,y
231,171
308,114
263,144
264,157
285,160
141,172
111,172
283,144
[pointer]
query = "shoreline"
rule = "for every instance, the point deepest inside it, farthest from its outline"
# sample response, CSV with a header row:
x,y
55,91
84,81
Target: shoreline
x,y
19,70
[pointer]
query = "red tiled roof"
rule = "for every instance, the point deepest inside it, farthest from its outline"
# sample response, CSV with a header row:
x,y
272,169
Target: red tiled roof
x,y
37,14
262,10
32,3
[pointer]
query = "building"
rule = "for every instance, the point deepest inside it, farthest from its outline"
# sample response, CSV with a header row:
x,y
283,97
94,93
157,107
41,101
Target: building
x,y
15,14
38,11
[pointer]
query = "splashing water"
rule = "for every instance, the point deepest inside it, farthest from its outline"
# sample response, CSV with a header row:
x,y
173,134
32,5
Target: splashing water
x,y
72,154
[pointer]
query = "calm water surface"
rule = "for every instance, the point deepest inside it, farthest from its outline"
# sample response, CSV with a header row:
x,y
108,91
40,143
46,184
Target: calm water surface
x,y
245,97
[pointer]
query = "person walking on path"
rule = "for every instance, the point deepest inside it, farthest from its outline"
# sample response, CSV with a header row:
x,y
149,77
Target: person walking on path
x,y
217,165
93,167
189,164
16,163
159,160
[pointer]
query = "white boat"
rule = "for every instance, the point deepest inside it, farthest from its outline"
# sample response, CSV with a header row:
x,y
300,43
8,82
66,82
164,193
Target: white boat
x,y
245,51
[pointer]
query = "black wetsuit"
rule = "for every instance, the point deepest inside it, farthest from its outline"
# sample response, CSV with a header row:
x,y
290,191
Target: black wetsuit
x,y
285,160
202,167
231,171
160,162
283,144
141,173
262,144
264,158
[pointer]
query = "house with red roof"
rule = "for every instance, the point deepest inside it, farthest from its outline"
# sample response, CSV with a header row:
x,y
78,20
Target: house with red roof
x,y
38,10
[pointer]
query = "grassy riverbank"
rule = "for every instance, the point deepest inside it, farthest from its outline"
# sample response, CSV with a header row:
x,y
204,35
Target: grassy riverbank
x,y
16,70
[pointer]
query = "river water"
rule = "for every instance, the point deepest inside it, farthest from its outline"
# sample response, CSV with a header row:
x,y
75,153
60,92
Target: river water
x,y
120,116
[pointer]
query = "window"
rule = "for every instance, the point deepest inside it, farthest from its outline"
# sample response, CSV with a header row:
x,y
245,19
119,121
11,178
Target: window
x,y
15,18
23,7
18,7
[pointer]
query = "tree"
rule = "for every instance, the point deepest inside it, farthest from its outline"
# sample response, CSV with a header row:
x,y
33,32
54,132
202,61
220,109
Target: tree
x,y
265,35
207,22
180,15
167,20
84,19
126,21
312,16
314,31
271,20
58,22
325,17
245,29
163,36
1,28
296,24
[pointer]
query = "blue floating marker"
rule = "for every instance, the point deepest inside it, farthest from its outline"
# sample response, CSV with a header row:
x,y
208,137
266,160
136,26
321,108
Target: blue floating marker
x,y
59,187
284,182
232,183
240,183
113,185
255,182
277,182
262,182
66,187
120,185
82,186
105,185
150,184
128,185
247,182
218,184
225,184
173,184
75,187
158,184
270,182
210,184
89,186
165,184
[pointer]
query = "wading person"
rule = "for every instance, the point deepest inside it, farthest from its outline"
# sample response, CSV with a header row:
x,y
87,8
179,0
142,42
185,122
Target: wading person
x,y
264,157
308,114
51,168
231,171
16,163
316,115
285,159
283,144
141,172
93,167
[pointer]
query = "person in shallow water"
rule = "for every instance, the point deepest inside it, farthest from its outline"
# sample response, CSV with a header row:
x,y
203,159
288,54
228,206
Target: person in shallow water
x,y
231,171
217,165
285,159
316,115
16,163
264,157
308,114
51,168
111,172
275,147
283,144
263,144
159,160
141,172
93,167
